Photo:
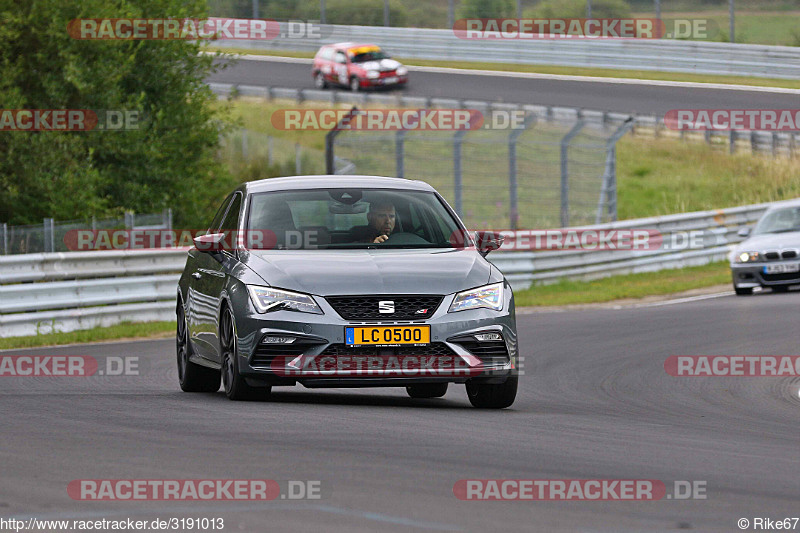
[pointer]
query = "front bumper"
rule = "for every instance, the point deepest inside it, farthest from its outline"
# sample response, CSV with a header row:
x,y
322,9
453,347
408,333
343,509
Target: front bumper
x,y
751,275
320,339
391,81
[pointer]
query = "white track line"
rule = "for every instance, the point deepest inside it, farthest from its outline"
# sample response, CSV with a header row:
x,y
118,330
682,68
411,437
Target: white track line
x,y
557,77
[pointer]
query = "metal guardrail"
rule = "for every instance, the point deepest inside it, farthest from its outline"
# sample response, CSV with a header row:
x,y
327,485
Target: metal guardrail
x,y
769,142
40,293
640,54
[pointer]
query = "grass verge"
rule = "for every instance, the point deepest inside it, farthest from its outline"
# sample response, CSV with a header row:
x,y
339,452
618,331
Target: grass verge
x,y
125,330
567,292
556,70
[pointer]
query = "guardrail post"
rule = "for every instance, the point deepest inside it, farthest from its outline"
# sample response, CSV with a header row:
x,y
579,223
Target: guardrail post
x,y
244,144
774,143
270,158
298,164
512,170
792,143
5,238
753,142
732,141
457,178
565,172
399,153
330,140
130,220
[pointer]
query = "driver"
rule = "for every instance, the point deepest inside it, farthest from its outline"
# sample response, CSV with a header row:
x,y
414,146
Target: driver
x,y
381,218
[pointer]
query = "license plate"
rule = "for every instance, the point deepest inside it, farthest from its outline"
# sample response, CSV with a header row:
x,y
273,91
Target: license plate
x,y
392,79
782,268
387,335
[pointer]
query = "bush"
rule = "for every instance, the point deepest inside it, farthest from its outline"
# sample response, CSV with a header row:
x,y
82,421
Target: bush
x,y
577,9
470,9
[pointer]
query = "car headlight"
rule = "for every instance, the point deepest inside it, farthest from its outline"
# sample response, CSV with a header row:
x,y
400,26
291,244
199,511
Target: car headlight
x,y
372,74
487,297
402,71
746,257
268,299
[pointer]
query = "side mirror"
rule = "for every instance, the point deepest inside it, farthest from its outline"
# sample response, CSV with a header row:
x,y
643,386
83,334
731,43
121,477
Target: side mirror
x,y
487,241
212,243
744,232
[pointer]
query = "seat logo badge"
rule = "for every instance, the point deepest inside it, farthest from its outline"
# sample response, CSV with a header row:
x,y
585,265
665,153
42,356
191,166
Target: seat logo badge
x,y
421,312
386,307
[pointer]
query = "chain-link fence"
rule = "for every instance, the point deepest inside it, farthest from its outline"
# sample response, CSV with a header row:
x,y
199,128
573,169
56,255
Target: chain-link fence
x,y
50,235
547,173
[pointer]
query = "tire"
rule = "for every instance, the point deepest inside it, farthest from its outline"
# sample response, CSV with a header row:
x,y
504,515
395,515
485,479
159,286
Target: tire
x,y
319,81
743,291
355,84
427,390
236,388
191,376
489,396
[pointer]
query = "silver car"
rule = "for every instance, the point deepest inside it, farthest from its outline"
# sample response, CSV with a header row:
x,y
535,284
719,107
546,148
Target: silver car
x,y
345,281
770,255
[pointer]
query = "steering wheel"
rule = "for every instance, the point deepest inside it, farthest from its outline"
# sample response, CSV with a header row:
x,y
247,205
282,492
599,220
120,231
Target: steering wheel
x,y
403,237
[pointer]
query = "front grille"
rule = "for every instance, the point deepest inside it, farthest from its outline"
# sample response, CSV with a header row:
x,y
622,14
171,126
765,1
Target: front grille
x,y
406,307
434,349
489,352
772,256
786,276
789,254
264,354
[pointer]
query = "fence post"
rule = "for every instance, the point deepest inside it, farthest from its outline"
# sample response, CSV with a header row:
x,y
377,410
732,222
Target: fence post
x,y
270,157
732,141
129,220
5,238
330,140
608,190
512,170
297,159
792,143
457,178
400,153
244,144
565,172
48,237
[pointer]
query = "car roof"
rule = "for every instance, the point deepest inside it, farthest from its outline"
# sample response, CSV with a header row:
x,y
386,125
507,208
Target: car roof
x,y
784,204
348,45
289,183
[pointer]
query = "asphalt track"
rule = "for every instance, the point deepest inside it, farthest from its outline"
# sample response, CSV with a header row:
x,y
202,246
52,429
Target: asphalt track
x,y
624,97
595,403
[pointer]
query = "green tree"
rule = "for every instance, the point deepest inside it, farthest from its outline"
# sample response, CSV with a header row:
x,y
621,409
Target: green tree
x,y
472,9
168,162
577,9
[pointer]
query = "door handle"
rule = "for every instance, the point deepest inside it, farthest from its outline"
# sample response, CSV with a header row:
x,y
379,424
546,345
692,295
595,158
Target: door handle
x,y
197,275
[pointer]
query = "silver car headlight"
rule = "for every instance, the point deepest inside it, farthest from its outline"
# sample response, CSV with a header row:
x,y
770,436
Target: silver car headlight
x,y
268,299
372,74
746,257
486,297
402,71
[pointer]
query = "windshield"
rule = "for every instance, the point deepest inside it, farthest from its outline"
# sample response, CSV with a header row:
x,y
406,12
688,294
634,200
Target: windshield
x,y
779,221
372,55
350,219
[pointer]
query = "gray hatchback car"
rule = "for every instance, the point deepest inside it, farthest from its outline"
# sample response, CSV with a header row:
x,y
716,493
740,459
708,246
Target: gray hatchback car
x,y
345,281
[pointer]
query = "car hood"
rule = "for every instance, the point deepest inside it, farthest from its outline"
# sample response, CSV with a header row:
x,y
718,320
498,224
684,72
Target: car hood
x,y
770,241
344,272
383,64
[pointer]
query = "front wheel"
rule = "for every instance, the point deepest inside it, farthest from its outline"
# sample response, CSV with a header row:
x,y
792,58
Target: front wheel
x,y
236,388
427,390
191,376
492,396
320,82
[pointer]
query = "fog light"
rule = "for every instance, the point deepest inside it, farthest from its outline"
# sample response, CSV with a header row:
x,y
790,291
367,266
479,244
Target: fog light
x,y
488,337
278,340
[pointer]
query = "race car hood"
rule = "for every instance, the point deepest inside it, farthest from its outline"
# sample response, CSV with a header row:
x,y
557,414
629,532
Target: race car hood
x,y
346,272
383,65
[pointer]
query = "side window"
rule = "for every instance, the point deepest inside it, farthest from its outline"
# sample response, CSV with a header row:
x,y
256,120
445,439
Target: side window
x,y
340,58
215,224
327,54
231,222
